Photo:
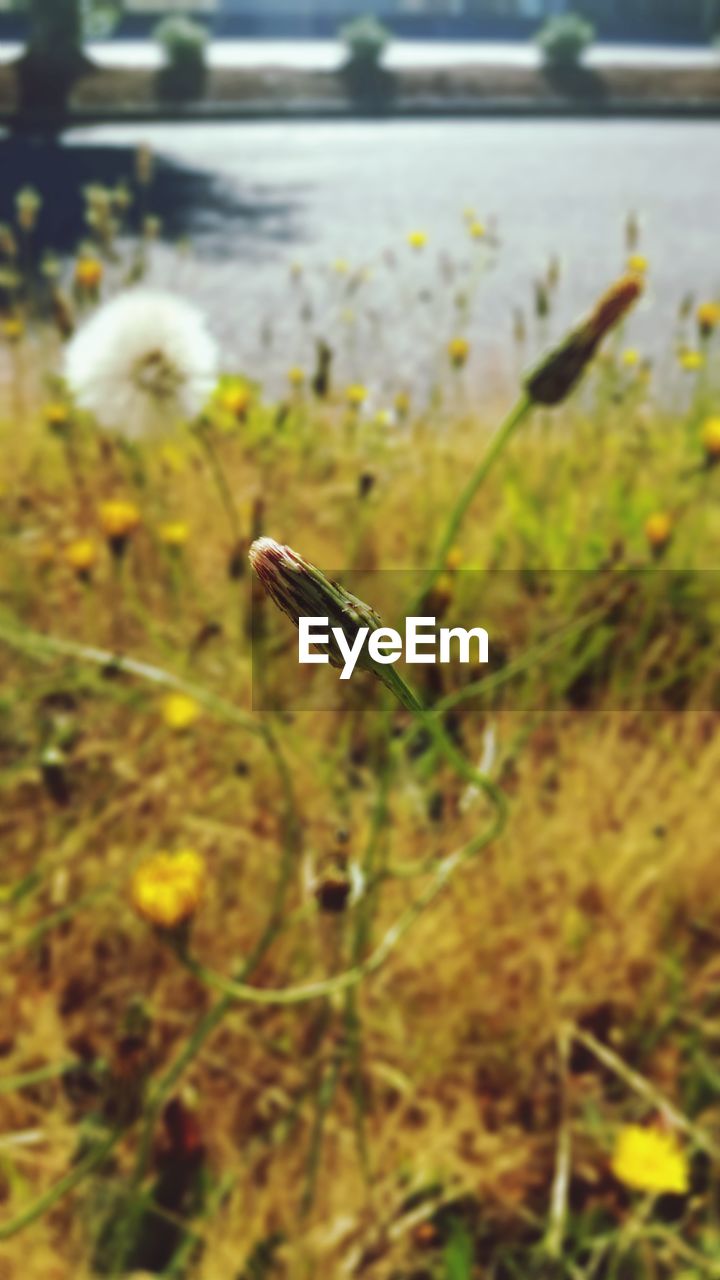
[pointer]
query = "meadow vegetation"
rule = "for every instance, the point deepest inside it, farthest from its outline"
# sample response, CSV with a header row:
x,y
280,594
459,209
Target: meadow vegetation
x,y
423,987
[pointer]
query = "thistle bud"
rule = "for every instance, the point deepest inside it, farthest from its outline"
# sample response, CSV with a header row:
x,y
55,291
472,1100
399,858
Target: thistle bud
x,y
300,590
555,377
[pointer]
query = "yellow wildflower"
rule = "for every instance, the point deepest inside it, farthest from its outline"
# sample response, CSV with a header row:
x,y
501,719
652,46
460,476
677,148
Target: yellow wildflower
x,y
417,239
57,415
356,395
631,358
453,559
658,530
13,329
708,318
81,555
691,361
180,712
477,230
341,267
119,520
650,1160
711,439
236,401
458,351
174,534
166,889
637,264
296,377
88,274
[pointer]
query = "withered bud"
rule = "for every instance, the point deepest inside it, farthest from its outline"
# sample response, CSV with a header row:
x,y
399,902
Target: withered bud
x,y
554,378
301,590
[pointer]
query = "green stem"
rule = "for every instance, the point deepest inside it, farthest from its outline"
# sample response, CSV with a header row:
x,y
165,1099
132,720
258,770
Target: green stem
x,y
221,1008
645,1089
496,447
25,1078
221,481
60,1189
15,636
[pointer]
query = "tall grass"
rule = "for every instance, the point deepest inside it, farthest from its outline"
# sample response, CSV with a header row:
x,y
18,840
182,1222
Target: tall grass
x,y
446,948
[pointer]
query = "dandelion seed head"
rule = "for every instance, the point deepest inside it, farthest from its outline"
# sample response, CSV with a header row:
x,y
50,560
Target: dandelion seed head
x,y
142,363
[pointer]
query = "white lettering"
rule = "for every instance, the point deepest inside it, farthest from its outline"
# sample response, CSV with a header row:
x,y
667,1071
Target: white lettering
x,y
306,638
352,652
414,637
385,646
447,634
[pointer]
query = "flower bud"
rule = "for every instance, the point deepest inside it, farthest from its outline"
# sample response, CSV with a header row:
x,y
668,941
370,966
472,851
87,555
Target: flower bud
x,y
553,380
301,590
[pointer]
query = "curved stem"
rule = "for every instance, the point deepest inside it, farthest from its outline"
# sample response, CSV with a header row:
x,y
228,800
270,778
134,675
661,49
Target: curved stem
x,y
496,447
25,640
221,481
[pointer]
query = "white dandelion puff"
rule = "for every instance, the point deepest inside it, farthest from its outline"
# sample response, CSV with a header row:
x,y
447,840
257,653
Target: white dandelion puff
x,y
142,363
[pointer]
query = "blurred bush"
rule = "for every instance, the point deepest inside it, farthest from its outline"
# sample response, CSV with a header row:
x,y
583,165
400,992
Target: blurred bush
x,y
184,74
366,41
54,59
564,39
